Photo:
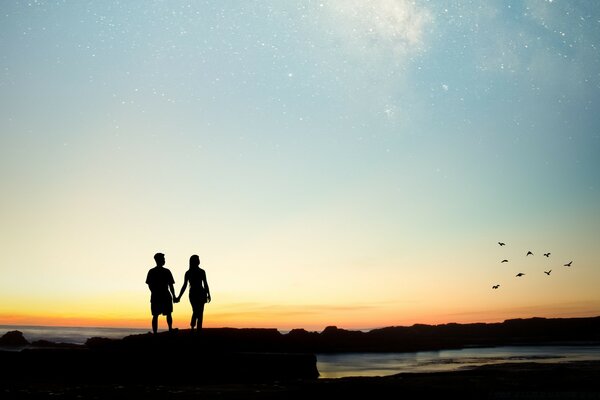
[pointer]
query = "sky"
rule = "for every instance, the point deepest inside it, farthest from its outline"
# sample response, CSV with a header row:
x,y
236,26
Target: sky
x,y
343,162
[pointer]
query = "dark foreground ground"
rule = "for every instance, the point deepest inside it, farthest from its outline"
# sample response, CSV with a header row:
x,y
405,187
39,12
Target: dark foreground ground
x,y
576,380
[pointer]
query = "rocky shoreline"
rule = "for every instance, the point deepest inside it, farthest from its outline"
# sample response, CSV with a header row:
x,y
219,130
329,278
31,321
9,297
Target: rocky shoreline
x,y
231,363
419,337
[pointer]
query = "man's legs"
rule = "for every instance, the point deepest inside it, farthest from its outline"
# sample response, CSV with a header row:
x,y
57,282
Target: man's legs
x,y
170,322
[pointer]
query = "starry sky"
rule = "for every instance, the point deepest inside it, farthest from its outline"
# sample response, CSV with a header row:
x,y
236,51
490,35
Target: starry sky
x,y
342,162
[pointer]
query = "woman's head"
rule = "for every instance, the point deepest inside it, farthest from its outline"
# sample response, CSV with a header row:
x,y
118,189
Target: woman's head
x,y
194,261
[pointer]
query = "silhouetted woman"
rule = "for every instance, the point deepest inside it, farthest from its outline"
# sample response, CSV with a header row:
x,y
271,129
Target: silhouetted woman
x,y
199,291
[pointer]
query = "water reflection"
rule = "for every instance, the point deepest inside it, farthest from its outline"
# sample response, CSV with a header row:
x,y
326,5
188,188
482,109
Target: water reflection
x,y
379,364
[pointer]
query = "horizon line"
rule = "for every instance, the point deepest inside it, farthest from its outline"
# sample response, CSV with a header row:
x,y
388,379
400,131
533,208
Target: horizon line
x,y
297,328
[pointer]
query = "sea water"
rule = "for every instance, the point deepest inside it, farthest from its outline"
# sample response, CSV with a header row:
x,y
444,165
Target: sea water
x,y
381,364
67,334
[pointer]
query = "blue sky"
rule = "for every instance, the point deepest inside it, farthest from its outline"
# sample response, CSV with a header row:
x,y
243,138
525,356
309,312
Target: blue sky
x,y
304,149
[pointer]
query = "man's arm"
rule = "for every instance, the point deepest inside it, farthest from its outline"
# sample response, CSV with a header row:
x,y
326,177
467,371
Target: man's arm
x,y
182,291
171,282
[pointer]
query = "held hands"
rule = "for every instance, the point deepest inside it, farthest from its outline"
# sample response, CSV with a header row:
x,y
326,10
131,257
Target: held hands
x,y
177,299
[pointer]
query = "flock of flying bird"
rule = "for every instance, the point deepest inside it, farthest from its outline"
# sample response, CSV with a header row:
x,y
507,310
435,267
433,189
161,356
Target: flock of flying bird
x,y
529,253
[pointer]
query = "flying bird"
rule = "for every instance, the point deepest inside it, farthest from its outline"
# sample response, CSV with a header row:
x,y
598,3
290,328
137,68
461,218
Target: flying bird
x,y
495,286
568,264
503,261
502,244
547,272
529,253
520,274
547,254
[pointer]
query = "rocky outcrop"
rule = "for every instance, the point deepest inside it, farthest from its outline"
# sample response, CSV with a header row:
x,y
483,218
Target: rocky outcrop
x,y
229,356
13,339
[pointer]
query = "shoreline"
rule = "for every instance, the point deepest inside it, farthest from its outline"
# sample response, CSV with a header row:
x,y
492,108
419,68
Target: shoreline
x,y
264,364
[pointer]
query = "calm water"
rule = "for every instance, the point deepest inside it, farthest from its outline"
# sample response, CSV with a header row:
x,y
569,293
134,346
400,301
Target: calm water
x,y
380,364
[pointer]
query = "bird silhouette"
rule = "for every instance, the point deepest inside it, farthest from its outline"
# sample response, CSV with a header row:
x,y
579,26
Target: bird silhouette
x,y
547,272
503,261
547,254
495,286
520,274
568,264
529,253
502,244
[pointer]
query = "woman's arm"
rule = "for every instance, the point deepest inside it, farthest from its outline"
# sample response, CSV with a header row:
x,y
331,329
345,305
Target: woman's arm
x,y
206,287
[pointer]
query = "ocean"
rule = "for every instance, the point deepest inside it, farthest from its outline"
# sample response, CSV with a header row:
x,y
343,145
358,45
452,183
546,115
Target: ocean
x,y
360,364
382,364
67,334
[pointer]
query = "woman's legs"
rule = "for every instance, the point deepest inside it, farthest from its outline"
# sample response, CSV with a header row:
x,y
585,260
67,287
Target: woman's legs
x,y
197,315
200,315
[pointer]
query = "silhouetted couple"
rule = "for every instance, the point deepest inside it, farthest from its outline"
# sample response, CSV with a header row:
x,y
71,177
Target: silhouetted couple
x,y
160,281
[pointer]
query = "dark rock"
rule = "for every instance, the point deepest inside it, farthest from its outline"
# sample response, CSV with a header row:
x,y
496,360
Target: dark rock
x,y
13,339
300,340
152,364
330,330
98,342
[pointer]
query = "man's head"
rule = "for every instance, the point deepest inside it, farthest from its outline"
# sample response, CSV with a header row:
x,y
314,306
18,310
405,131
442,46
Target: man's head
x,y
160,259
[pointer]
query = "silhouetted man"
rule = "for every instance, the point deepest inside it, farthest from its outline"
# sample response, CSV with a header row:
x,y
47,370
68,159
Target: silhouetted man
x,y
160,281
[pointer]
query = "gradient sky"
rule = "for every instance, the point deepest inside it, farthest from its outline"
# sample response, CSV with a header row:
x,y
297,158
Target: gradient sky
x,y
342,162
